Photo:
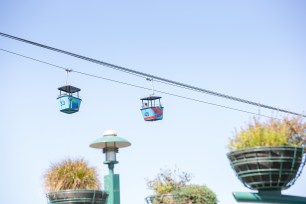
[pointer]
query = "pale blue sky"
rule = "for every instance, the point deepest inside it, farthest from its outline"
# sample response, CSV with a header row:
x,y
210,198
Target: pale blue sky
x,y
254,50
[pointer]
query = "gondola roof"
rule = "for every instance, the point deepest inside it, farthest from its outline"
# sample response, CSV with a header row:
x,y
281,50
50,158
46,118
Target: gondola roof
x,y
151,98
69,89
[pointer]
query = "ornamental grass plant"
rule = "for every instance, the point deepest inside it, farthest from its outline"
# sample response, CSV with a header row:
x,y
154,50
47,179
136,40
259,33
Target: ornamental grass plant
x,y
273,132
71,174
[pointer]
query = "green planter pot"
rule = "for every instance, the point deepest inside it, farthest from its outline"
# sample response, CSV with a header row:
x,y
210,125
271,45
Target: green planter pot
x,y
161,199
268,168
77,197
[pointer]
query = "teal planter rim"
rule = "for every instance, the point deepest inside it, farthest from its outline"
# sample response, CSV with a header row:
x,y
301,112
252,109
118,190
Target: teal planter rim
x,y
75,190
77,196
259,148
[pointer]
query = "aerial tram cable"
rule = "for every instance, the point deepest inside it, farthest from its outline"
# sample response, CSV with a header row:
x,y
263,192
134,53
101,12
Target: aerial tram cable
x,y
141,87
142,74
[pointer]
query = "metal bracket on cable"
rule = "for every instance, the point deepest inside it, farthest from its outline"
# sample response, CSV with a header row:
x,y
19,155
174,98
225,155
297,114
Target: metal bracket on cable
x,y
151,79
67,71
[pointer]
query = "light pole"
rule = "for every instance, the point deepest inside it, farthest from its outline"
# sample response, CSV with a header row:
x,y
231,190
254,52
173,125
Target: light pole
x,y
110,144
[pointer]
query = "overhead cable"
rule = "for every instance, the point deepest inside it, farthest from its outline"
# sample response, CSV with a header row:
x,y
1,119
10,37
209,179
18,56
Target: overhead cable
x,y
142,74
137,86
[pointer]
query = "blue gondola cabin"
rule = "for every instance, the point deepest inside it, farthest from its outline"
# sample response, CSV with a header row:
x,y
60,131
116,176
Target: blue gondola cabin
x,y
69,101
152,109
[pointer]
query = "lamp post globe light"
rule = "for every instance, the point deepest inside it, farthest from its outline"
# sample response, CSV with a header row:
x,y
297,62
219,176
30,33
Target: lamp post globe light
x,y
110,145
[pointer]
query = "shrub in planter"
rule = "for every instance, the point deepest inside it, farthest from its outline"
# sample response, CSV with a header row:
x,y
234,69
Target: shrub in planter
x,y
168,180
172,187
73,181
269,155
274,132
195,194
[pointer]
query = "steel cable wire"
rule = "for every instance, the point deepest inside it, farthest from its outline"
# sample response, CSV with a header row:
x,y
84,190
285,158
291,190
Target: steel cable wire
x,y
142,74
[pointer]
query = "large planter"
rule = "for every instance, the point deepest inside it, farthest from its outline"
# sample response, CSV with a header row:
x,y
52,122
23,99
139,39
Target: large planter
x,y
77,197
268,168
161,199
